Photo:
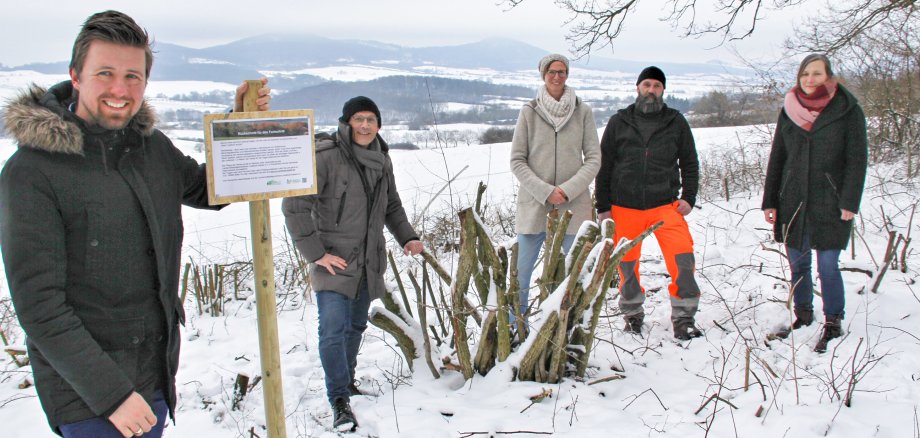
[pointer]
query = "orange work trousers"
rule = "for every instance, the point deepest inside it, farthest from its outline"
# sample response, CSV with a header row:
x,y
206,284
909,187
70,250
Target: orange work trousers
x,y
676,248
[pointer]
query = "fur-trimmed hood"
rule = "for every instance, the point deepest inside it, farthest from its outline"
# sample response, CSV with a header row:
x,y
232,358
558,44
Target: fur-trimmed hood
x,y
39,119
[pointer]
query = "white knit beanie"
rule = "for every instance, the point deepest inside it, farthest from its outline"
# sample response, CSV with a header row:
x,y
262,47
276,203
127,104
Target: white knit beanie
x,y
551,58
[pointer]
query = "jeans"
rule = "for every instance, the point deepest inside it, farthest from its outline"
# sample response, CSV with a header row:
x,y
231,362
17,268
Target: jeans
x,y
828,272
528,252
342,322
98,427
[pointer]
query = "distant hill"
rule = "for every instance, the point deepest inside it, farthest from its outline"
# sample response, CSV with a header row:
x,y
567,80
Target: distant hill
x,y
403,98
281,52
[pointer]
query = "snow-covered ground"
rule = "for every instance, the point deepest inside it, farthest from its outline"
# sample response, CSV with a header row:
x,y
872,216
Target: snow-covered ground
x,y
666,383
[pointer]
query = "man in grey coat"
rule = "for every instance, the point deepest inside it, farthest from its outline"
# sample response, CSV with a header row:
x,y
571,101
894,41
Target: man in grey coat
x,y
91,225
340,230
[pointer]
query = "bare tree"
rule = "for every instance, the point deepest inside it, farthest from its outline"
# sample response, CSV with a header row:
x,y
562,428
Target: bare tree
x,y
843,23
882,66
595,24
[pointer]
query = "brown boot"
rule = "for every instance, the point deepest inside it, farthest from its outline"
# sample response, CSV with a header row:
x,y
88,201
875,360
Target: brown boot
x,y
803,318
832,329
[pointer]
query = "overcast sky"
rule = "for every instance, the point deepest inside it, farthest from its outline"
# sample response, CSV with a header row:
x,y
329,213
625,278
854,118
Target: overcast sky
x,y
43,31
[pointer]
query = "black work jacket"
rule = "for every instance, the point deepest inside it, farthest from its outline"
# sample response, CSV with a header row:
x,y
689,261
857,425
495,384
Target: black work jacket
x,y
641,174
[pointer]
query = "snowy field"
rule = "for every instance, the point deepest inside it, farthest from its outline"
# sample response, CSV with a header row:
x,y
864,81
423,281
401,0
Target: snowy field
x,y
666,384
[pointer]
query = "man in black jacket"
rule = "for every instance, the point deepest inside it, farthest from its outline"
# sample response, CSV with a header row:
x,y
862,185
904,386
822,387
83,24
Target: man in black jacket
x,y
650,173
91,231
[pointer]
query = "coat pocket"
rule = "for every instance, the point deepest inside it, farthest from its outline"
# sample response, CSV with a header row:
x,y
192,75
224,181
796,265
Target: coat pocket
x,y
120,339
117,334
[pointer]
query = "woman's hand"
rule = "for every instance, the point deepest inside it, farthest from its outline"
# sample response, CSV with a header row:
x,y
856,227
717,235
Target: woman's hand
x,y
846,215
769,215
557,197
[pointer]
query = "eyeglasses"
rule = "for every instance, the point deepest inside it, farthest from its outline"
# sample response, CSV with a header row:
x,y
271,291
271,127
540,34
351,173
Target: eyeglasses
x,y
360,120
560,73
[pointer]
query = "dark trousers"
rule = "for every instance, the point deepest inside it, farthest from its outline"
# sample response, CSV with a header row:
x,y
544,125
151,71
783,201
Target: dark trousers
x,y
828,272
98,427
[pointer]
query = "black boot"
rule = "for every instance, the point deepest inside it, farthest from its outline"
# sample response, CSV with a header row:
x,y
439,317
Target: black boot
x,y
832,329
685,329
353,389
343,418
634,324
803,318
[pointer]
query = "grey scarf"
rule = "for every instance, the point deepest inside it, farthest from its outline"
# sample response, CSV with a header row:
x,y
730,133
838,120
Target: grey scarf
x,y
558,111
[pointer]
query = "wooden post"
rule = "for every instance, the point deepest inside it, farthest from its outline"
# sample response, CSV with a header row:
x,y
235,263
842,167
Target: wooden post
x,y
263,265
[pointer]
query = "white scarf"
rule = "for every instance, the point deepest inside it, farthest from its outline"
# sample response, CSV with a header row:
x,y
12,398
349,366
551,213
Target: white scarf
x,y
559,111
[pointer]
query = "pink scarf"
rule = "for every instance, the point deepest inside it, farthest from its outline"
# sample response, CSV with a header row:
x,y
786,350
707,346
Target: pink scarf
x,y
803,108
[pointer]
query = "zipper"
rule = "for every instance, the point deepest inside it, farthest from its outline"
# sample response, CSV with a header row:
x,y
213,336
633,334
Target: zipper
x,y
645,170
338,217
833,186
555,157
782,187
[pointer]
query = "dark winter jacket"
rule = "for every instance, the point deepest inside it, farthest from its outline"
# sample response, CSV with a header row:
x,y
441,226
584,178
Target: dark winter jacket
x,y
812,175
91,229
641,174
339,220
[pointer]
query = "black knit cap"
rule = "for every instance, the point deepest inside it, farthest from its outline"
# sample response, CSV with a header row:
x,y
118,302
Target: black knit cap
x,y
652,73
358,104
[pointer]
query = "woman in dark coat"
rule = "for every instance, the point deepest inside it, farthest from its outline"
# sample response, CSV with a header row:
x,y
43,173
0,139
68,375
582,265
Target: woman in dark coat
x,y
814,184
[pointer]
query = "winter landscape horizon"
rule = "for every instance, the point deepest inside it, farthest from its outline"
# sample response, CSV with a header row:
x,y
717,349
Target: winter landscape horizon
x,y
636,386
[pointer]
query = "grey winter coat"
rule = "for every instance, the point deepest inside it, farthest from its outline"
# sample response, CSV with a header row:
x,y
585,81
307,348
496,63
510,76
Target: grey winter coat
x,y
91,243
339,220
542,159
812,175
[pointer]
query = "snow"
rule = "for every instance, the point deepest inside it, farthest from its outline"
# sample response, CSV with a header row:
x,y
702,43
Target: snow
x,y
665,382
13,82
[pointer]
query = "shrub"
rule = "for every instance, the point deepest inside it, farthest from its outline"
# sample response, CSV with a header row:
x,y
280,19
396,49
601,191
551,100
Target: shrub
x,y
496,135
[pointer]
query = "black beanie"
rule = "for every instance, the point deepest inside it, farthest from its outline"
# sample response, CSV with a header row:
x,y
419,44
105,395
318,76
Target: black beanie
x,y
358,104
652,73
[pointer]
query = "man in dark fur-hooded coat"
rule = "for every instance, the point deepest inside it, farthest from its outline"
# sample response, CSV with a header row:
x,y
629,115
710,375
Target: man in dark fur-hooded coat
x,y
91,234
91,237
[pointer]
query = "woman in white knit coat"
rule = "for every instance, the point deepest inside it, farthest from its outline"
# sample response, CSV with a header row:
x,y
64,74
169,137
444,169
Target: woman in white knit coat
x,y
554,156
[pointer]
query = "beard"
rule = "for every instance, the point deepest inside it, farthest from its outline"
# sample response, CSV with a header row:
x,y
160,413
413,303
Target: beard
x,y
96,115
649,103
